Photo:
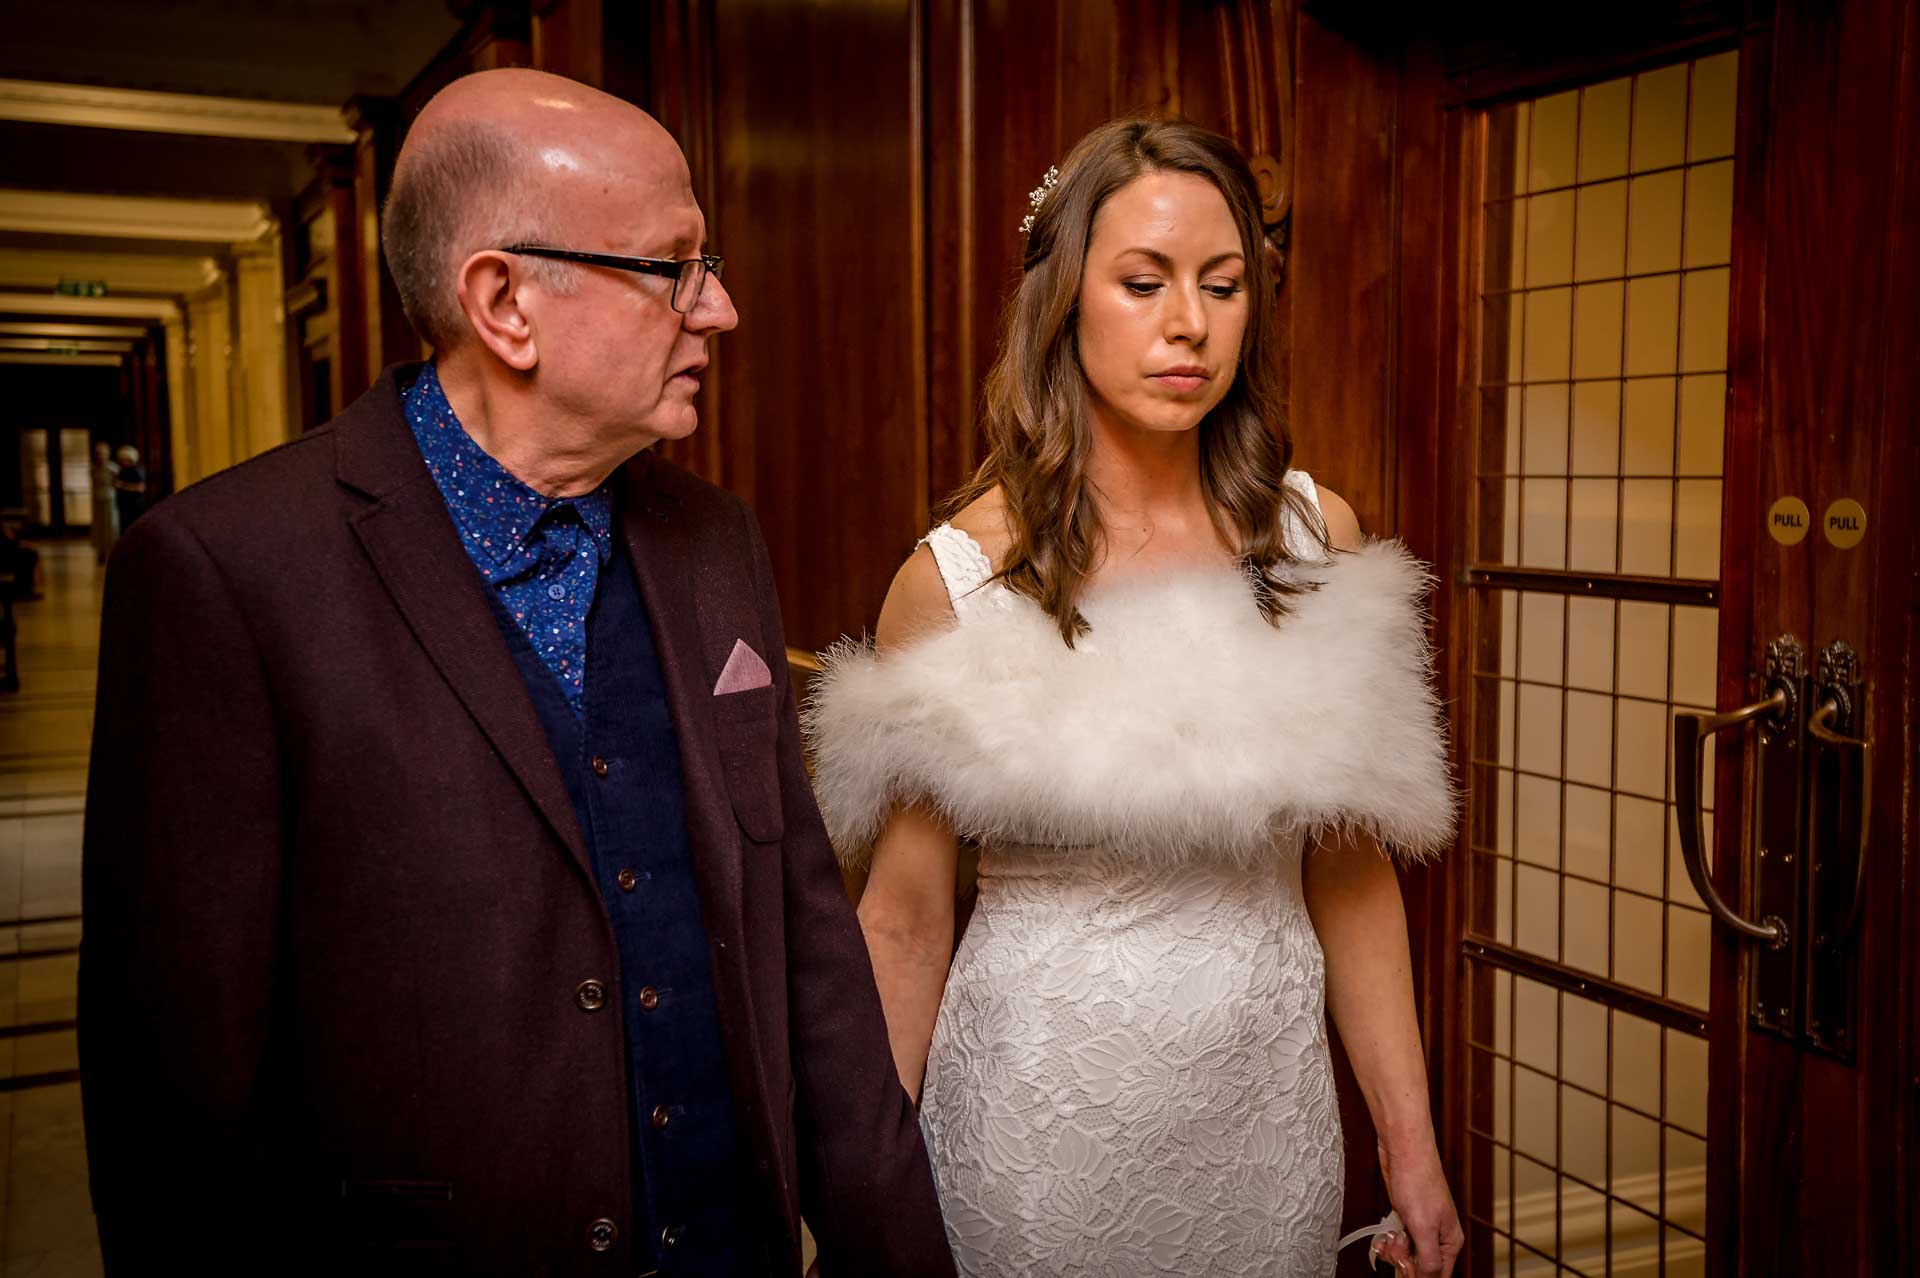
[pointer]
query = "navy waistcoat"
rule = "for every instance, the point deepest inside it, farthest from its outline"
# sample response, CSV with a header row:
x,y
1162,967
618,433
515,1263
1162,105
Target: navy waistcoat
x,y
621,762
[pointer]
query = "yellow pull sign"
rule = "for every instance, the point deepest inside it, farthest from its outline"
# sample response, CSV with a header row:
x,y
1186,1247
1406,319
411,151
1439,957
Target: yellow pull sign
x,y
1789,521
1845,523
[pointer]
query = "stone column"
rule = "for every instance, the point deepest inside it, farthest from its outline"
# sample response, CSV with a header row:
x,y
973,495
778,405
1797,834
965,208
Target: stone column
x,y
174,334
209,356
262,418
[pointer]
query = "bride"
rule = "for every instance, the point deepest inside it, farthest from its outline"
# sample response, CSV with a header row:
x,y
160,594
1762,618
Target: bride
x,y
1182,707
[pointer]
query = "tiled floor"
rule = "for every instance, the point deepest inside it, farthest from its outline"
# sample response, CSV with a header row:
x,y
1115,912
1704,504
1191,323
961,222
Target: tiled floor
x,y
46,1224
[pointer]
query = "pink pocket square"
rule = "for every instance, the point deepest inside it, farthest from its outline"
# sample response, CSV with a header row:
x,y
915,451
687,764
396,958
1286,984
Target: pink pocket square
x,y
744,670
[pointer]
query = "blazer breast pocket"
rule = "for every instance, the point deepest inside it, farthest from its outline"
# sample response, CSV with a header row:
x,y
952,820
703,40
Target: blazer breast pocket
x,y
748,731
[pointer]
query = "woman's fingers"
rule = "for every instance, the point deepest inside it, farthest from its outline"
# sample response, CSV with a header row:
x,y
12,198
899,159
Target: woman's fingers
x,y
1396,1249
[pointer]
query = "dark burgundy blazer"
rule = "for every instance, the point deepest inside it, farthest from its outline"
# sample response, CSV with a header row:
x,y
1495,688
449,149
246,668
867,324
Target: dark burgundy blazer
x,y
339,915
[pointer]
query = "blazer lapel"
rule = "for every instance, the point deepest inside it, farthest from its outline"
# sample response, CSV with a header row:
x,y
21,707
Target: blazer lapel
x,y
662,550
409,535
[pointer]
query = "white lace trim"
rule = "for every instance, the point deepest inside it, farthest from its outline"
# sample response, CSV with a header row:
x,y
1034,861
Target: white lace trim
x,y
967,572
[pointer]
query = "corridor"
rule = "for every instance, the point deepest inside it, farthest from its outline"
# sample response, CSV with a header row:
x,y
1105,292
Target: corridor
x,y
46,1225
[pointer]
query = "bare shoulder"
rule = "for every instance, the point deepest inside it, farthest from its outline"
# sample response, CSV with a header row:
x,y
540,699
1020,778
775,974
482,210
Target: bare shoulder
x,y
916,603
1343,526
985,520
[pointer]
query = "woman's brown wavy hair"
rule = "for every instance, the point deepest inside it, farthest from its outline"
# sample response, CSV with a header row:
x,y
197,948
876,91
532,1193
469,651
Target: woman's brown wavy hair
x,y
1035,405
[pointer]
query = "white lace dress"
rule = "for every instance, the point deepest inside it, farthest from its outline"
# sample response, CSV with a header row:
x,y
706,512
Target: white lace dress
x,y
1129,1073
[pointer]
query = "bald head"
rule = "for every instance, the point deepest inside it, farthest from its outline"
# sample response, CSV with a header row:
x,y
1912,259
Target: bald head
x,y
510,157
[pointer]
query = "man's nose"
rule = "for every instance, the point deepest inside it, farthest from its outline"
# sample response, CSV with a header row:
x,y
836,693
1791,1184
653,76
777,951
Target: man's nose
x,y
714,312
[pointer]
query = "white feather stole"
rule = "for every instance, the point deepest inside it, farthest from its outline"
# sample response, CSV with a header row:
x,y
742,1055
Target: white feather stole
x,y
1183,725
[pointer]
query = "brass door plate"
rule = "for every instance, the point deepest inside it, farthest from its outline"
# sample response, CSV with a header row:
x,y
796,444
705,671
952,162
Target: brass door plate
x,y
1845,523
1789,521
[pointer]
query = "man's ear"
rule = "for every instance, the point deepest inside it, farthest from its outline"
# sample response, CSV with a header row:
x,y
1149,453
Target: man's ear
x,y
489,292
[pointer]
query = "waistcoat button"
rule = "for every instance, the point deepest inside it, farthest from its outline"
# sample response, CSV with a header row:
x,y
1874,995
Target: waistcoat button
x,y
649,998
599,766
626,879
660,1117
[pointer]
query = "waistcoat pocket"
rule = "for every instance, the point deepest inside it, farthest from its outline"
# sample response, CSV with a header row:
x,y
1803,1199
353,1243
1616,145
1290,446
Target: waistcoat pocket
x,y
751,763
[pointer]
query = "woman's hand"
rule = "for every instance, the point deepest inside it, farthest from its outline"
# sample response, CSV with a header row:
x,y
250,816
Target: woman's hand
x,y
1417,1188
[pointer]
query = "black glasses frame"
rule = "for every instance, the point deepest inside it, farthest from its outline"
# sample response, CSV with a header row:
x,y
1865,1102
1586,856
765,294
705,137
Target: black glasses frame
x,y
680,271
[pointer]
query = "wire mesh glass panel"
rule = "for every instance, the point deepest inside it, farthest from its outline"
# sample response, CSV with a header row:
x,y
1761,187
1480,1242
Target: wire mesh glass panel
x,y
1587,1144
1574,833
1607,227
1606,239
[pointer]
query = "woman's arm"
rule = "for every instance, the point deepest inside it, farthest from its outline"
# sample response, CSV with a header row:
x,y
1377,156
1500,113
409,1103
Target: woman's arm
x,y
906,909
1353,896
907,916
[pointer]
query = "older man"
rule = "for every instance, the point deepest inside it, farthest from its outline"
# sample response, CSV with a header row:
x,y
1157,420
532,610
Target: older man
x,y
455,898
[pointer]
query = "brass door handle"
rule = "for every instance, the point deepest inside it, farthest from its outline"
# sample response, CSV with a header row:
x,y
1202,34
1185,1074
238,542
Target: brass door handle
x,y
1691,728
1820,727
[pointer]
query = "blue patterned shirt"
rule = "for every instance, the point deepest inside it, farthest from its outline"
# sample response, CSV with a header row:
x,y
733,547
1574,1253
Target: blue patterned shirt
x,y
542,555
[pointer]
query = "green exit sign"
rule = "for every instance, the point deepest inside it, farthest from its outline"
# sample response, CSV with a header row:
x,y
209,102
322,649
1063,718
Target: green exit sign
x,y
81,288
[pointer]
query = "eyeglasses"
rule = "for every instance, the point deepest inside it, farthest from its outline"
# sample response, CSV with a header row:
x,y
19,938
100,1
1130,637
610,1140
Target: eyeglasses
x,y
689,275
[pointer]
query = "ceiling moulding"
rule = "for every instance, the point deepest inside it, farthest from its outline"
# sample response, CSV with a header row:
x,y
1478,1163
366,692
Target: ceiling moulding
x,y
84,361
122,272
143,111
144,308
66,346
15,328
138,217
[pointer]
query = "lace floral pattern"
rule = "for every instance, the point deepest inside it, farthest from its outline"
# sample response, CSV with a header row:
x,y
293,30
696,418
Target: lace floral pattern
x,y
1130,1074
968,573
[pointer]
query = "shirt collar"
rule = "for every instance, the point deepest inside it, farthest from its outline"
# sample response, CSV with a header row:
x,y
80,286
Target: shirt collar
x,y
497,512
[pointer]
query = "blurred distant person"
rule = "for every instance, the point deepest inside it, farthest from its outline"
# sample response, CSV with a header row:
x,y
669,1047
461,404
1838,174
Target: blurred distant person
x,y
18,561
106,511
129,487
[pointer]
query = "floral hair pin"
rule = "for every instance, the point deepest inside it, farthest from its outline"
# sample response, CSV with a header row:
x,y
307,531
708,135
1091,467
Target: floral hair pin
x,y
1038,196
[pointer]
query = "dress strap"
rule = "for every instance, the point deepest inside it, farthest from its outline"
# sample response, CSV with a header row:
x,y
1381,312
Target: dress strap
x,y
967,572
1301,541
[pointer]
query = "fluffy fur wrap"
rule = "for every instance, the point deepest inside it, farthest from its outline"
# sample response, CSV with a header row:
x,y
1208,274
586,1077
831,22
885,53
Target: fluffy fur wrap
x,y
1182,725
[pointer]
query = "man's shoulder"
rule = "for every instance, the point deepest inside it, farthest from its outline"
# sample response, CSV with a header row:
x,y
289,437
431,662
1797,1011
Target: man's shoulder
x,y
285,495
708,508
267,492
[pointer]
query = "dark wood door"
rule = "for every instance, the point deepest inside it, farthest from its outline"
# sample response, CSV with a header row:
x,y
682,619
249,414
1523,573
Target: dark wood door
x,y
1678,352
1812,1062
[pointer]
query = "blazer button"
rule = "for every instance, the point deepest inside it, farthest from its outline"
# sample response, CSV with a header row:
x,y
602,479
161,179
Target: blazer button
x,y
649,998
591,995
626,879
602,1234
599,766
660,1117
